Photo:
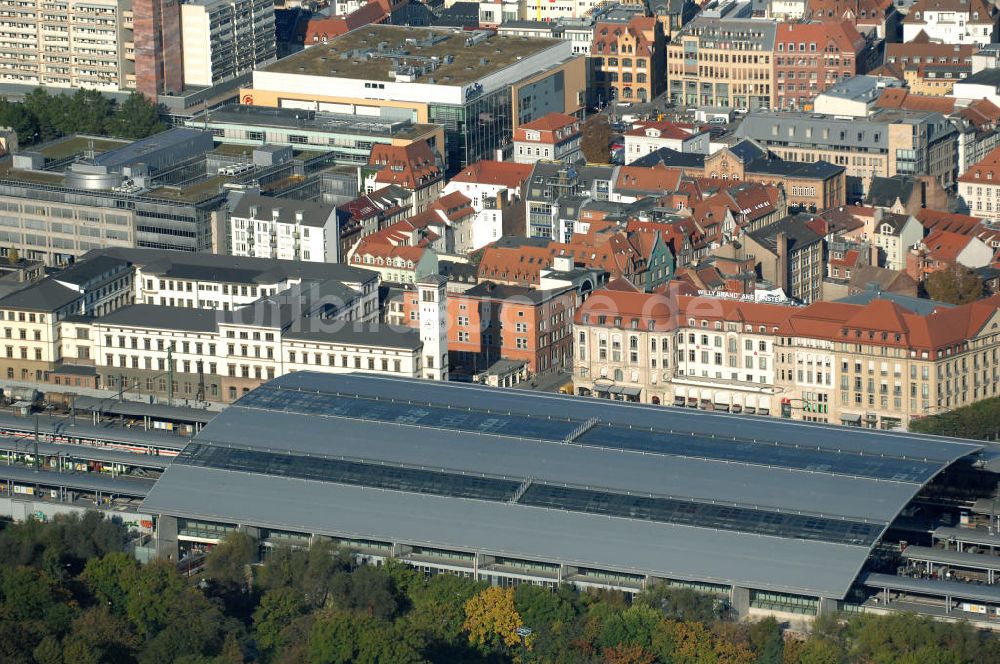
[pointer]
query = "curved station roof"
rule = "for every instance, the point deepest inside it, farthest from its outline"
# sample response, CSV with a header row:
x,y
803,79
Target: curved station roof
x,y
743,501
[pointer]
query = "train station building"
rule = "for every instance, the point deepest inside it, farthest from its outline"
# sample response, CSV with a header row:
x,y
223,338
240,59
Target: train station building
x,y
514,487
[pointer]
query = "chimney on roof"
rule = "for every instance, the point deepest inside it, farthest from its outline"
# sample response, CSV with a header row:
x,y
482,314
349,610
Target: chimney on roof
x,y
781,249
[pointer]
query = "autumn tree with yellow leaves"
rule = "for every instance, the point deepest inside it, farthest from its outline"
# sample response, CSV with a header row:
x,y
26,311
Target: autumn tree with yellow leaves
x,y
492,620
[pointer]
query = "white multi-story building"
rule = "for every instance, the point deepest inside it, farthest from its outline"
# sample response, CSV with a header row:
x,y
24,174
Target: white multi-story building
x,y
951,21
286,229
494,187
267,318
69,44
651,136
552,137
225,283
225,39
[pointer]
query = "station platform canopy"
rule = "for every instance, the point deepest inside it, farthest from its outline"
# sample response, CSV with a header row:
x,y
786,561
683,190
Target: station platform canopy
x,y
933,587
156,411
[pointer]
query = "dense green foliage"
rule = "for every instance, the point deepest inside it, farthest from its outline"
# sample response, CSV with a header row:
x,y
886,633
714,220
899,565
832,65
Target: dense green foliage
x,y
70,594
980,421
42,116
956,284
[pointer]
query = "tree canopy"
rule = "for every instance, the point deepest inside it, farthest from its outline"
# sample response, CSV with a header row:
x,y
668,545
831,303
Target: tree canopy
x,y
980,420
955,284
320,607
596,142
42,116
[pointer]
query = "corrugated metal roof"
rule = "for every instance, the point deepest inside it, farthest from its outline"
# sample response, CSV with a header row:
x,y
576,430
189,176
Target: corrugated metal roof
x,y
664,550
446,429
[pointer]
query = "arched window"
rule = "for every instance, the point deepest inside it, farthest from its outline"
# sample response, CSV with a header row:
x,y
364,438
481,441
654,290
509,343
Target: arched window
x,y
618,375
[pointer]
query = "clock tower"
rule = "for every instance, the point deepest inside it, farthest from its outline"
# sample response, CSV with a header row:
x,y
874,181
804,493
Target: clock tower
x,y
432,299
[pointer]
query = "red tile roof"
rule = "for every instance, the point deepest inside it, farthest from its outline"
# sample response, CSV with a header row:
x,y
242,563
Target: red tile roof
x,y
842,34
323,29
981,113
663,129
551,122
944,246
413,166
657,179
949,221
505,173
880,322
864,12
905,100
986,171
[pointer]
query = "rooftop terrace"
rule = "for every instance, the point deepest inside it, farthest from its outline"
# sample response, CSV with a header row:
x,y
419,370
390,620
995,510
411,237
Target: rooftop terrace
x,y
73,145
459,63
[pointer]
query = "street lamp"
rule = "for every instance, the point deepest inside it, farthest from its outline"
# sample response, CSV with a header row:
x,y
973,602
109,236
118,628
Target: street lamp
x,y
524,633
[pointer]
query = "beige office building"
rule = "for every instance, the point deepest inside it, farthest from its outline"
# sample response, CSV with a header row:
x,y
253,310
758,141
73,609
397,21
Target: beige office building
x,y
876,365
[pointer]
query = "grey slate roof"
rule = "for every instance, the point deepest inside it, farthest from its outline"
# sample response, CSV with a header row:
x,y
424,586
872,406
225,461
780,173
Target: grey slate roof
x,y
313,214
290,305
47,295
513,293
883,192
793,226
672,158
818,169
236,269
748,150
164,317
503,449
370,334
84,271
918,305
984,77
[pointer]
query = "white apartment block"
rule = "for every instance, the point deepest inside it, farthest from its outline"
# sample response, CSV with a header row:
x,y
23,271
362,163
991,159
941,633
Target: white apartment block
x,y
286,229
67,43
653,136
224,39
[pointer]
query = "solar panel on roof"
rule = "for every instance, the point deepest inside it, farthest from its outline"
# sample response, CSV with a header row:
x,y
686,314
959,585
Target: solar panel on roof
x,y
702,515
399,412
679,511
375,475
805,457
766,453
